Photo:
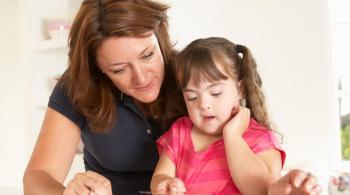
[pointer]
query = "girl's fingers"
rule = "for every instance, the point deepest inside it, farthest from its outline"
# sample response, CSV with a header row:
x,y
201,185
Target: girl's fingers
x,y
177,185
171,186
235,110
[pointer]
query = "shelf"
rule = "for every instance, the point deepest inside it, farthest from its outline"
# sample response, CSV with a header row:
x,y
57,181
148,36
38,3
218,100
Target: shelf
x,y
52,44
344,93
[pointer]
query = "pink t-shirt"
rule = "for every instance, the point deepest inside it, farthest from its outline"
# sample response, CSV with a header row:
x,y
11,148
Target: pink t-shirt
x,y
207,172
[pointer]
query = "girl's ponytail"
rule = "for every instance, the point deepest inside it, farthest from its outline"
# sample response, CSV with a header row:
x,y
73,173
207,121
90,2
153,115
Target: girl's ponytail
x,y
251,86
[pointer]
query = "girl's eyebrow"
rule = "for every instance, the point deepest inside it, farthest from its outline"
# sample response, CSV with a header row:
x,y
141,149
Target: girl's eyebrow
x,y
209,86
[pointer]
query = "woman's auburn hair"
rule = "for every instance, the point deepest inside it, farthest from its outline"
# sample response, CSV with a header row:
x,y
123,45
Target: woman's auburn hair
x,y
90,91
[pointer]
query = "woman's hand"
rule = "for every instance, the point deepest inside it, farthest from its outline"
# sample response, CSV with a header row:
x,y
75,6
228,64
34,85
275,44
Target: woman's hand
x,y
239,122
296,182
88,183
170,186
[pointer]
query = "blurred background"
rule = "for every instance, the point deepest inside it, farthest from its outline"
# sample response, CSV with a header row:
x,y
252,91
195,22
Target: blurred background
x,y
301,48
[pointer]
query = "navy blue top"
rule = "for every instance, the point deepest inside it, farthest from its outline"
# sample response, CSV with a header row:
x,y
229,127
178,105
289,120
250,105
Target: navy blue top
x,y
126,154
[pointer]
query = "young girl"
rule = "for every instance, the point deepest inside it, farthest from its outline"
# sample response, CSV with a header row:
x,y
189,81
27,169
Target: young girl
x,y
225,146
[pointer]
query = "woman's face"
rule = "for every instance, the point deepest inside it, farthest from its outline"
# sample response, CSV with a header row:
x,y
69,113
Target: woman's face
x,y
134,64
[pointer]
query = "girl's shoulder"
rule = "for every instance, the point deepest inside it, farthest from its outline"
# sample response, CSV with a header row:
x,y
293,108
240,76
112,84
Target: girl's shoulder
x,y
257,131
260,138
179,128
182,122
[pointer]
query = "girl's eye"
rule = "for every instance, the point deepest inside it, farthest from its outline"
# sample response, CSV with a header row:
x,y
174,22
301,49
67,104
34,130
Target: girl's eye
x,y
216,94
191,99
148,56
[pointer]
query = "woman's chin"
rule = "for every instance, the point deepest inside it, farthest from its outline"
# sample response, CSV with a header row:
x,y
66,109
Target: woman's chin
x,y
147,98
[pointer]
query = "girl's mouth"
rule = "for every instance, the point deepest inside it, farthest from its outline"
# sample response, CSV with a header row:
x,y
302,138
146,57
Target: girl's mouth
x,y
208,118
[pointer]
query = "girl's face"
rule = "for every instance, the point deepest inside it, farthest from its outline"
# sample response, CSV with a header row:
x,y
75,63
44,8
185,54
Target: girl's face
x,y
134,64
210,104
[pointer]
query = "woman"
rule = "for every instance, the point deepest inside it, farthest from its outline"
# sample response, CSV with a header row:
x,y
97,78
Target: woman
x,y
118,95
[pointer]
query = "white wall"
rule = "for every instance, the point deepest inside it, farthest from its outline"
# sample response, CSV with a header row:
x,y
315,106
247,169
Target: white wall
x,y
12,142
290,42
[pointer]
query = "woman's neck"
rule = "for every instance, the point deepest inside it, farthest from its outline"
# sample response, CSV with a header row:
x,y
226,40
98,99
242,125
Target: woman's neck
x,y
142,107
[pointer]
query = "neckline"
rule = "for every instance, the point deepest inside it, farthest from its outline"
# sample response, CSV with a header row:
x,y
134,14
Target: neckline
x,y
191,145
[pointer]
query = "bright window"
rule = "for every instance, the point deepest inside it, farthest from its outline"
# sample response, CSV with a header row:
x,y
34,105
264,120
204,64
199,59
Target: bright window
x,y
340,32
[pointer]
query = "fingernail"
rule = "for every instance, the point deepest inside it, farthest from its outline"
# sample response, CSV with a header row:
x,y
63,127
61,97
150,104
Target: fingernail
x,y
308,188
298,182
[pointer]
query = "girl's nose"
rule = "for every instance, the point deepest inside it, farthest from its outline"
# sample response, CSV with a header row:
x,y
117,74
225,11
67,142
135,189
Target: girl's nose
x,y
205,104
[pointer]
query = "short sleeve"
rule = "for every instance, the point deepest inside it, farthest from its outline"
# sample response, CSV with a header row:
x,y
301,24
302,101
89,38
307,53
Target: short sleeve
x,y
170,141
59,101
261,140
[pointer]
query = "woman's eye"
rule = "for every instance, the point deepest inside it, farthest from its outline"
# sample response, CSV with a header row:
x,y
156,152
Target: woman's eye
x,y
118,71
148,56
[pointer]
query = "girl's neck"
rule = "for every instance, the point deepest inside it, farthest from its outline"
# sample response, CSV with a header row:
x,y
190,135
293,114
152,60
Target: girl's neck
x,y
202,141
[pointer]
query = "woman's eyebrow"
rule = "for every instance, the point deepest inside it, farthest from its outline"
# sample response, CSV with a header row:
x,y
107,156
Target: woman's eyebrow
x,y
140,55
146,49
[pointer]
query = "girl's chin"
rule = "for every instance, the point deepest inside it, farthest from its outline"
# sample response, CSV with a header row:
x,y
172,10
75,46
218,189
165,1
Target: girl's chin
x,y
212,132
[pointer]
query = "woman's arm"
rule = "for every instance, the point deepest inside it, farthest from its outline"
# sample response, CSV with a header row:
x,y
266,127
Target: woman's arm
x,y
164,179
296,182
51,160
252,174
52,156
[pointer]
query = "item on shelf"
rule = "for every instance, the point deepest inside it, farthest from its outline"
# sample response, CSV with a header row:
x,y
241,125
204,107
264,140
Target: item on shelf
x,y
340,184
57,28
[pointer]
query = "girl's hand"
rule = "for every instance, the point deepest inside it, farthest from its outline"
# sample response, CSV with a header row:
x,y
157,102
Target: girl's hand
x,y
239,122
296,182
88,183
170,186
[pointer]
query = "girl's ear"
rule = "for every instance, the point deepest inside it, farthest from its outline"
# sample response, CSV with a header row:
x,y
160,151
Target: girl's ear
x,y
240,87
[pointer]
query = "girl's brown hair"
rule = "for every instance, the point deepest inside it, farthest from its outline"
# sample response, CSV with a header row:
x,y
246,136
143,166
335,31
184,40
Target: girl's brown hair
x,y
198,61
92,92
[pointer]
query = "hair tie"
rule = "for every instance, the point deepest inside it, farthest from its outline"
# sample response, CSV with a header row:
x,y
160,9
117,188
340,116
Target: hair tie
x,y
240,48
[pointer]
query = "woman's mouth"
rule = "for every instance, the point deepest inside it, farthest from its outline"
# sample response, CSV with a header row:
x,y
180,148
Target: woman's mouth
x,y
146,87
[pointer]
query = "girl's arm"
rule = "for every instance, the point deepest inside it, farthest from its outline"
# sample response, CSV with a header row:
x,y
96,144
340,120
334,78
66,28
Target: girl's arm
x,y
164,177
252,173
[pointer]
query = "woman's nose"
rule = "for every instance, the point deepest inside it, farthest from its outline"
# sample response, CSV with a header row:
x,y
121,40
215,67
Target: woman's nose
x,y
139,76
